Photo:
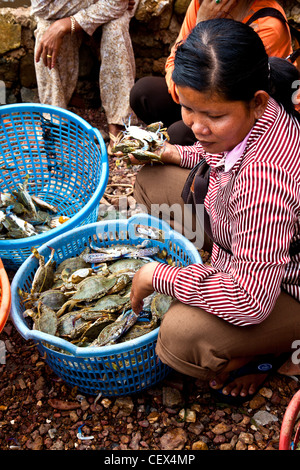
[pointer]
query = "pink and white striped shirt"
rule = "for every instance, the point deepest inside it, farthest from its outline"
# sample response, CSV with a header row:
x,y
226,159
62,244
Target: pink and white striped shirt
x,y
254,210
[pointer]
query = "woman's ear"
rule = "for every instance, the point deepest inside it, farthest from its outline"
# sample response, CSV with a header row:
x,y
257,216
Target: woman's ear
x,y
259,103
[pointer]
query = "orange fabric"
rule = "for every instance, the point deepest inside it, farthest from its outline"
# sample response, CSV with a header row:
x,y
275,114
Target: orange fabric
x,y
274,34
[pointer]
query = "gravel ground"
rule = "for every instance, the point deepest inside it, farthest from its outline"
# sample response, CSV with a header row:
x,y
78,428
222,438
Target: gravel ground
x,y
39,411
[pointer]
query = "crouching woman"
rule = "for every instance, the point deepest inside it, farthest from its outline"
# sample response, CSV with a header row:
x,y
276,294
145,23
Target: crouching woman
x,y
232,320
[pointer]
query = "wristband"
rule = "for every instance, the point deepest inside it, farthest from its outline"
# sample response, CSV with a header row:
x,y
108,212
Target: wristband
x,y
73,21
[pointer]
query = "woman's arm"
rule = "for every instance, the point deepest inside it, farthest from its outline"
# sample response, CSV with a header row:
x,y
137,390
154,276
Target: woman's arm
x,y
242,288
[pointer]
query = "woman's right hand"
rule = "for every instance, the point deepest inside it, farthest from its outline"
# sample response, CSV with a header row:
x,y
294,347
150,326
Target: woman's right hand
x,y
50,43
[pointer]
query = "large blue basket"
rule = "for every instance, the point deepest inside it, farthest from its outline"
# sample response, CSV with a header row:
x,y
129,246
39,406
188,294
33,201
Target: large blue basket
x,y
120,369
67,162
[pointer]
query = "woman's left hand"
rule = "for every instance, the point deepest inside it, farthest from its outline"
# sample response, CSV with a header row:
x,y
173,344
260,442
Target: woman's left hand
x,y
142,286
51,41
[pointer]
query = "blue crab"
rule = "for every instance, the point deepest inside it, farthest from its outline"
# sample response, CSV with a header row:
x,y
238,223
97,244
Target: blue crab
x,y
94,287
141,142
44,275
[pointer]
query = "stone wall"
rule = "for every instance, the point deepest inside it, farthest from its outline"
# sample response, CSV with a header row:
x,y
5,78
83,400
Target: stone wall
x,y
153,30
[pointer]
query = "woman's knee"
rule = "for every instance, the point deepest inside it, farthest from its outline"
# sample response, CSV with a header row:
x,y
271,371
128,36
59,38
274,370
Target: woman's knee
x,y
181,329
186,342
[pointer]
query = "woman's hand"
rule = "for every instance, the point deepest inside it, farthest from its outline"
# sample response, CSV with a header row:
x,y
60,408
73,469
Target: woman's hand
x,y
142,286
51,41
168,154
209,9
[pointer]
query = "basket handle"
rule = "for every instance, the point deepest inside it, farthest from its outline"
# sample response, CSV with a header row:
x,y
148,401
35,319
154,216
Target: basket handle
x,y
39,336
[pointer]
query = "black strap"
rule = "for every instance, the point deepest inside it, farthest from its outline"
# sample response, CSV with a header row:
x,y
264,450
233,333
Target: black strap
x,y
268,11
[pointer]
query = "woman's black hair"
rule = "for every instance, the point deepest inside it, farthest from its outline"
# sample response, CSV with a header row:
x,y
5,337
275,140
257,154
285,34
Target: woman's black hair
x,y
227,57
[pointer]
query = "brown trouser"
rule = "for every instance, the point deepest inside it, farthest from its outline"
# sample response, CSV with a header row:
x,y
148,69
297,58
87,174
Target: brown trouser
x,y
193,341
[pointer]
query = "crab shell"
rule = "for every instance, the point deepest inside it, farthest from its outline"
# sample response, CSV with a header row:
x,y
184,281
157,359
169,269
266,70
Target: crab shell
x,y
113,303
95,287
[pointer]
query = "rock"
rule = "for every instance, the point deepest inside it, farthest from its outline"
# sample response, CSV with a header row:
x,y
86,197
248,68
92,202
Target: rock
x,y
125,405
10,36
106,402
171,397
221,428
134,444
149,8
63,405
173,440
153,417
196,428
40,384
181,6
257,402
73,416
187,415
263,418
219,439
199,445
240,445
266,392
37,444
246,437
226,446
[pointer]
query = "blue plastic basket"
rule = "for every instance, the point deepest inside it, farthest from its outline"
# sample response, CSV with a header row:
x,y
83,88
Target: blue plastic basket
x,y
113,370
67,162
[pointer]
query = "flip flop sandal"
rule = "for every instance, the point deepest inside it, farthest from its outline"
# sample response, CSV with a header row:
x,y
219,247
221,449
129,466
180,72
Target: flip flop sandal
x,y
109,152
262,365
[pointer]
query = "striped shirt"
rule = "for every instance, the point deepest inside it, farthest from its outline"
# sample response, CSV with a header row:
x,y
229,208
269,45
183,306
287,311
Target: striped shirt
x,y
254,211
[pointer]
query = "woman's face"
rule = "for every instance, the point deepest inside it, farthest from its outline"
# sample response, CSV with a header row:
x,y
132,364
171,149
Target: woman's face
x,y
219,125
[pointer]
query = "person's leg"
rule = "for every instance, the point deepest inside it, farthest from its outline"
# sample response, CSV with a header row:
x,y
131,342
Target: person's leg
x,y
151,101
117,72
197,343
181,134
56,86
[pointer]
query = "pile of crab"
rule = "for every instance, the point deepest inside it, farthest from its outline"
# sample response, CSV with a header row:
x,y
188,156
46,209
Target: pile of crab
x,y
141,143
86,299
24,215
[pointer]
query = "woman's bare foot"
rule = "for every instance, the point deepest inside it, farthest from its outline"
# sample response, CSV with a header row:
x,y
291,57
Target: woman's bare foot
x,y
240,386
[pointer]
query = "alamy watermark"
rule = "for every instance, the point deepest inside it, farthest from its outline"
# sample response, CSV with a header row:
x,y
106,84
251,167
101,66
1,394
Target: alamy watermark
x,y
2,92
2,353
179,217
296,94
296,354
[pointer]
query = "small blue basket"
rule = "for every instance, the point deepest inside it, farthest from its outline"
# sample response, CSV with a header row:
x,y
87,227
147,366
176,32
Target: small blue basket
x,y
66,160
113,370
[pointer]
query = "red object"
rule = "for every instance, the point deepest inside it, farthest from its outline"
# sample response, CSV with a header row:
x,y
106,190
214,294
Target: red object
x,y
288,423
5,296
